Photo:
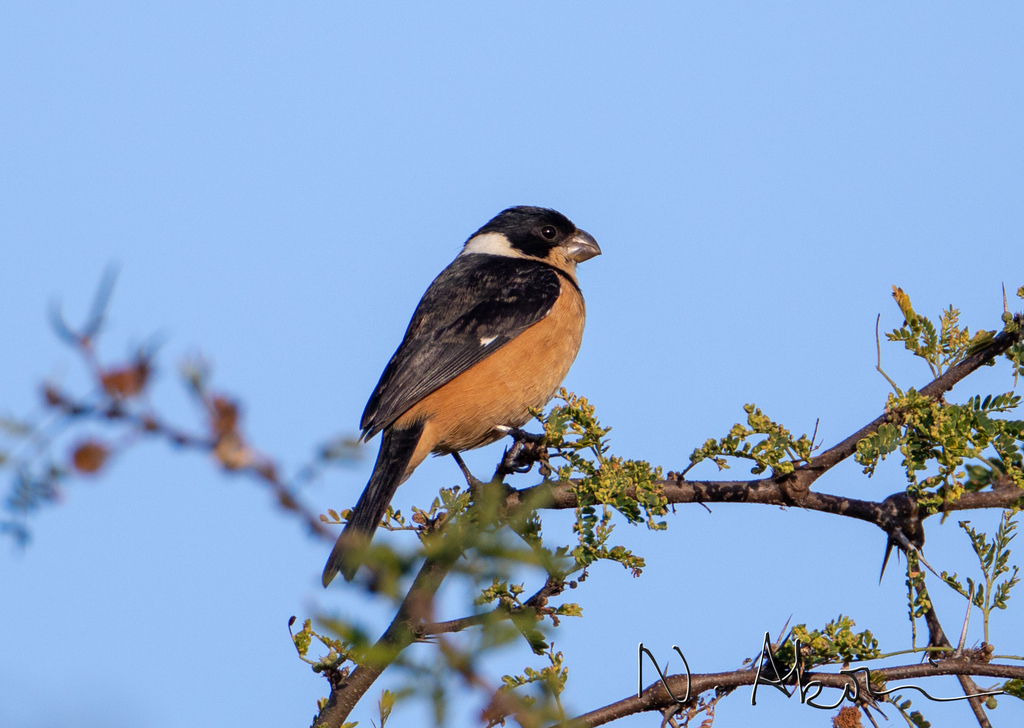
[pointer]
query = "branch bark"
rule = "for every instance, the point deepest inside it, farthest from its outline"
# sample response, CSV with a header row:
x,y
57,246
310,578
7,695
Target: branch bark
x,y
400,634
937,638
793,489
768,491
656,697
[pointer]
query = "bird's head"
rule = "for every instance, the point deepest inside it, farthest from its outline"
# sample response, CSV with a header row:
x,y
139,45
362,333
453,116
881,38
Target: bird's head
x,y
534,232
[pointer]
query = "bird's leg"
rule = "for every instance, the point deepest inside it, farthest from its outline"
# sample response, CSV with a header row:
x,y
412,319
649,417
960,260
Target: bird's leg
x,y
471,480
490,497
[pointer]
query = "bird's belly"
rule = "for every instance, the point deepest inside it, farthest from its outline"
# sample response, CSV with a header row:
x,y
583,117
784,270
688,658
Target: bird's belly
x,y
500,390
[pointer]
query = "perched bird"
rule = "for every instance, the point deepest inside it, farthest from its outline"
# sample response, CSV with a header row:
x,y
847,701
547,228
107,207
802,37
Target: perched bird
x,y
493,336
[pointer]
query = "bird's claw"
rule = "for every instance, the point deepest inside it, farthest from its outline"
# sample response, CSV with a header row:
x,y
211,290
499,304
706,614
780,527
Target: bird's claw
x,y
527,449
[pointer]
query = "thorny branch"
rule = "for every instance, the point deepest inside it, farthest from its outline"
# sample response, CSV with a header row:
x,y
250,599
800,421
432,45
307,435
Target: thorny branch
x,y
656,697
122,388
961,663
897,513
937,638
417,606
794,489
552,588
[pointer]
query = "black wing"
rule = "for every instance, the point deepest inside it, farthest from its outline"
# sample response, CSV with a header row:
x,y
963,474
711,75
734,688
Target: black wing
x,y
477,305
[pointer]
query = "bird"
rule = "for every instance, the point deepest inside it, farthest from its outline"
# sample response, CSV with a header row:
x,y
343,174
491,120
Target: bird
x,y
493,336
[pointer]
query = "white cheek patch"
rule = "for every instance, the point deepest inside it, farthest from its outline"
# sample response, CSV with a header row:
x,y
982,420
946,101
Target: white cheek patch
x,y
486,341
491,244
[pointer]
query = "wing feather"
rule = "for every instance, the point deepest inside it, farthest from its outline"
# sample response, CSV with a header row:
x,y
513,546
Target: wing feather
x,y
477,305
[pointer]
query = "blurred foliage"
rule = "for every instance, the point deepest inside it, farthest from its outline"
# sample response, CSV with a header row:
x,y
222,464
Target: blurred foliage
x,y
533,710
384,707
913,718
82,434
1014,688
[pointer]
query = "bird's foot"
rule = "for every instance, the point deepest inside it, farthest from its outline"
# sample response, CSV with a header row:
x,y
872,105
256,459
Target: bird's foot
x,y
526,450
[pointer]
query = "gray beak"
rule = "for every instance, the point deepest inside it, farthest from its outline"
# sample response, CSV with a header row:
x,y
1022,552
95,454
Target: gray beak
x,y
582,246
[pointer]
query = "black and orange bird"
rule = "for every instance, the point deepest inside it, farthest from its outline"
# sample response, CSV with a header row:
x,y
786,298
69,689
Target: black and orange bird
x,y
493,336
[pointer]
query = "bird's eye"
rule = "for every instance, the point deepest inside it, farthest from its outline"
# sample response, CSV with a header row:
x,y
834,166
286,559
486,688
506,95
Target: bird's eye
x,y
548,232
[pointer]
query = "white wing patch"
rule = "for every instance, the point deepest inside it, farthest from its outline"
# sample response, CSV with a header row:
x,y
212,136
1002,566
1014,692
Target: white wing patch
x,y
486,341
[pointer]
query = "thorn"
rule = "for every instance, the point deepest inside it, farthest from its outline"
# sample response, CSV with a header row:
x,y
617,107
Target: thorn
x,y
963,632
784,628
885,559
878,347
907,546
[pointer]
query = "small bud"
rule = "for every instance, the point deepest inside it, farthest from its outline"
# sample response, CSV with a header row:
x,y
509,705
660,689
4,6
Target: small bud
x,y
232,453
52,395
223,416
89,456
127,381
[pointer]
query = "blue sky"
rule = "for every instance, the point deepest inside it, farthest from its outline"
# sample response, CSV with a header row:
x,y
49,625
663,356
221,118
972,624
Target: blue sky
x,y
279,184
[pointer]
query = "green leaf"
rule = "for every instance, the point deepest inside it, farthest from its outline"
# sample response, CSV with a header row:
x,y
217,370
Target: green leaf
x,y
1014,687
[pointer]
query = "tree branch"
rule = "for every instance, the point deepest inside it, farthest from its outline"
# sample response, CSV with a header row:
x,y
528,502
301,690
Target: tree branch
x,y
937,638
767,491
552,587
793,489
655,697
249,463
405,628
935,389
399,635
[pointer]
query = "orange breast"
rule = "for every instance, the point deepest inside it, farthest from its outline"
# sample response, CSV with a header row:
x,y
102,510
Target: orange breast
x,y
500,390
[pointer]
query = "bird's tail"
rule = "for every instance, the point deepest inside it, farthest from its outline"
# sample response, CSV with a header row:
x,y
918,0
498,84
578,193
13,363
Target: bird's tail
x,y
396,450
